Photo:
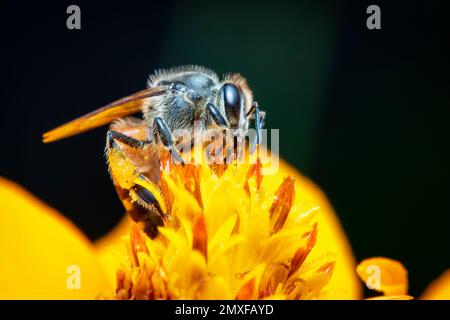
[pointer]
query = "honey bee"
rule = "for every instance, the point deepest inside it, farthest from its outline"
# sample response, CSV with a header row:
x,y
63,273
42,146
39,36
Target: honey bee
x,y
177,98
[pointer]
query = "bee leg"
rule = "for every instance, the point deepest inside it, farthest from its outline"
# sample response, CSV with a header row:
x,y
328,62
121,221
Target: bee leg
x,y
222,123
217,116
142,206
149,206
166,139
260,117
129,141
141,198
146,209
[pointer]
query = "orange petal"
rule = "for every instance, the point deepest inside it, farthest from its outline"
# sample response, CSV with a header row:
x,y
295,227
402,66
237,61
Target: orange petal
x,y
384,275
301,253
344,283
43,255
200,241
439,289
248,291
137,241
282,203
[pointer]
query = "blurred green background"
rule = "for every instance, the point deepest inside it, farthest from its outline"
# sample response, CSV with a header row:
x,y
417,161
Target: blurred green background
x,y
363,113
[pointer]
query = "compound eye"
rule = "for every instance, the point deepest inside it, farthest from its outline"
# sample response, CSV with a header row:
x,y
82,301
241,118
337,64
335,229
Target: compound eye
x,y
231,98
179,86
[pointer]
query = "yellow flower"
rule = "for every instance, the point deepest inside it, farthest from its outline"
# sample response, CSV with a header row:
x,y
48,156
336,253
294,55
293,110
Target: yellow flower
x,y
38,245
228,237
266,240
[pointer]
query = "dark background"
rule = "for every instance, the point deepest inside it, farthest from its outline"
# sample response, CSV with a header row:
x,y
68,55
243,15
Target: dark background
x,y
364,113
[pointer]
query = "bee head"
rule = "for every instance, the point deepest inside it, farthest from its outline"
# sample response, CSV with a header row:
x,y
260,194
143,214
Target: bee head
x,y
234,99
230,101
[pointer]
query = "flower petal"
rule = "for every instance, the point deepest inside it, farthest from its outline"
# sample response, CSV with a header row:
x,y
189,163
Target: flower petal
x,y
384,275
344,283
439,289
43,254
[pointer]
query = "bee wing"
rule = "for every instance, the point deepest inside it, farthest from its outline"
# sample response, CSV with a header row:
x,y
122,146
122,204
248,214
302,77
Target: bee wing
x,y
117,109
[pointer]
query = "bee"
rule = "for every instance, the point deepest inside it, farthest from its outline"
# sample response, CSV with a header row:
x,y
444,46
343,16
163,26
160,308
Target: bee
x,y
177,98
